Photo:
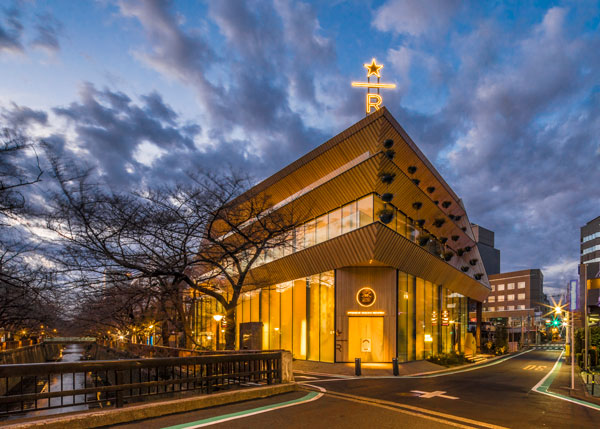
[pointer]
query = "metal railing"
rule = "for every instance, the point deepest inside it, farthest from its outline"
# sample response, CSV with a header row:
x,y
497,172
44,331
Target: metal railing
x,y
106,383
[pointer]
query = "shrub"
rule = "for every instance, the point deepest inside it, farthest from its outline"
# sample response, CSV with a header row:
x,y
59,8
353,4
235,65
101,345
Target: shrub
x,y
448,359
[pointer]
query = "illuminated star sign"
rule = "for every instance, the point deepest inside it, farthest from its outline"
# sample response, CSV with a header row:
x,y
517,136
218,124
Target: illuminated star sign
x,y
374,100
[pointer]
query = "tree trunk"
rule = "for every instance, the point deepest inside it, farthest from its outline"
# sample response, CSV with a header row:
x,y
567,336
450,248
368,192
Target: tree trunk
x,y
230,340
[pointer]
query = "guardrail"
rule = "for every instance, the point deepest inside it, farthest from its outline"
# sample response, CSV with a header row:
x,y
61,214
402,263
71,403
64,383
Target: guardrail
x,y
591,379
61,384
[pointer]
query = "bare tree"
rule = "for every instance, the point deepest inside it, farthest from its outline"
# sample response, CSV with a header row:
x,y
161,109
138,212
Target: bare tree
x,y
193,236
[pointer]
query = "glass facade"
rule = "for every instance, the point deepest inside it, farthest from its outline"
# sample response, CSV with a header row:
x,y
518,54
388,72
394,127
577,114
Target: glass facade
x,y
431,319
204,326
297,315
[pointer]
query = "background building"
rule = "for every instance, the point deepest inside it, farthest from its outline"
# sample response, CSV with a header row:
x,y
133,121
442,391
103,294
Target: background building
x,y
517,301
590,269
485,243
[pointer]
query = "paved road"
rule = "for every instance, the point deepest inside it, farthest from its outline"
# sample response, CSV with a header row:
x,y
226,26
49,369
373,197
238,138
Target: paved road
x,y
492,396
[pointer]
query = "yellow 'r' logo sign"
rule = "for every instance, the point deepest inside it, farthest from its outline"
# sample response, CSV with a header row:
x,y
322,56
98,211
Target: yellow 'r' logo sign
x,y
374,100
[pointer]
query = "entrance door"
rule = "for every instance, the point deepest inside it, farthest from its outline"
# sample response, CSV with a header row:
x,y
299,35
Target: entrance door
x,y
365,339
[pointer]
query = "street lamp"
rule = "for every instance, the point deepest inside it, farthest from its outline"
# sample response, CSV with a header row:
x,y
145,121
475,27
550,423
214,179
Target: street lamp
x,y
218,318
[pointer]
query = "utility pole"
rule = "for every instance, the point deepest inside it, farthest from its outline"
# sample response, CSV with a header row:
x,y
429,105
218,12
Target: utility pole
x,y
585,318
572,317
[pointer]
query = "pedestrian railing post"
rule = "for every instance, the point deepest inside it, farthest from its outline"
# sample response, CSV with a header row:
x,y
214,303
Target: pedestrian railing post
x,y
395,366
357,369
119,382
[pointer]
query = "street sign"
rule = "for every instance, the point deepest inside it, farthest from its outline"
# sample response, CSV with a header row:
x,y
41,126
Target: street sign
x,y
445,318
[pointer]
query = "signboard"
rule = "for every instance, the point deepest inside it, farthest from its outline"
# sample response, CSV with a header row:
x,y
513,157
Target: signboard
x,y
573,286
365,345
374,99
366,297
364,313
434,318
445,318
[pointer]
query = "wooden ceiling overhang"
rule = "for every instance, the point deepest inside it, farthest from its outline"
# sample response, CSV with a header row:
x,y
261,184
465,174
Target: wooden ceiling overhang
x,y
374,244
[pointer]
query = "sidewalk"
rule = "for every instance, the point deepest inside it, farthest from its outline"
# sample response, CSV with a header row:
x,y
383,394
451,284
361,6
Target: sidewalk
x,y
380,369
562,385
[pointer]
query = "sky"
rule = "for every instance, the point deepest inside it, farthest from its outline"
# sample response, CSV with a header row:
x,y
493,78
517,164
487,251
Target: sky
x,y
503,97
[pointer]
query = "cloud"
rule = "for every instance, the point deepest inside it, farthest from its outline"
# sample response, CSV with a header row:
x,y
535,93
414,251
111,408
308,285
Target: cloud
x,y
22,117
414,17
48,29
11,31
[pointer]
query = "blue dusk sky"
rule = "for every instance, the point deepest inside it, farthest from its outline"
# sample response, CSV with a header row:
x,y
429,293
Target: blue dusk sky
x,y
503,97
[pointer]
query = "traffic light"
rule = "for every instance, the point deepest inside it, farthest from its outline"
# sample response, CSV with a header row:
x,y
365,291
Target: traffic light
x,y
555,322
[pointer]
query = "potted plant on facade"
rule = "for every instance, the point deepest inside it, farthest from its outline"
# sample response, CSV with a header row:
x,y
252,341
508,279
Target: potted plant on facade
x,y
438,222
385,215
448,256
455,237
387,178
478,276
387,197
420,222
443,240
431,189
417,205
390,154
460,252
464,268
388,143
416,181
473,262
424,239
412,169
446,204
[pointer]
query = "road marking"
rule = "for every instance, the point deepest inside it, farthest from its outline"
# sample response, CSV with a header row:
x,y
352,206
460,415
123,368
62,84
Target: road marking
x,y
311,396
448,419
535,367
545,383
434,394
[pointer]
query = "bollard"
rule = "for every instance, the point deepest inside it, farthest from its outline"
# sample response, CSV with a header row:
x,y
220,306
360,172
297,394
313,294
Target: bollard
x,y
357,370
395,366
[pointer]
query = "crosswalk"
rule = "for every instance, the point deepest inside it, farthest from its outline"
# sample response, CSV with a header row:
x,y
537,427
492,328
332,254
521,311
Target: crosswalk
x,y
548,347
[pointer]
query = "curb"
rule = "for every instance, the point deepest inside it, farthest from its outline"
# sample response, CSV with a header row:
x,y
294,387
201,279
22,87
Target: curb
x,y
113,416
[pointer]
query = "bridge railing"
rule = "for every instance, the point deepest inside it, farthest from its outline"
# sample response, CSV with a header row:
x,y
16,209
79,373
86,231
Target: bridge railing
x,y
113,383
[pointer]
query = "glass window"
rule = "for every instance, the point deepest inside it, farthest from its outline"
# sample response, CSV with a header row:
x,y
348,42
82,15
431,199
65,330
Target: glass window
x,y
411,230
327,317
500,308
274,325
313,318
401,227
521,307
321,229
492,299
246,308
285,290
510,297
349,217
365,210
510,307
510,286
493,288
500,298
335,223
300,238
309,233
299,319
500,287
521,285
264,317
492,308
420,319
521,296
255,306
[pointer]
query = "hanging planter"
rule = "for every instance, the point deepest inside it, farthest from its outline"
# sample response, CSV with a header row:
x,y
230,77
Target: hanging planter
x,y
436,202
420,222
423,240
387,197
386,215
464,229
473,262
455,237
448,256
478,276
431,189
388,143
416,181
464,268
468,248
390,154
417,205
446,204
451,216
443,240
412,169
457,218
460,252
438,223
387,178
